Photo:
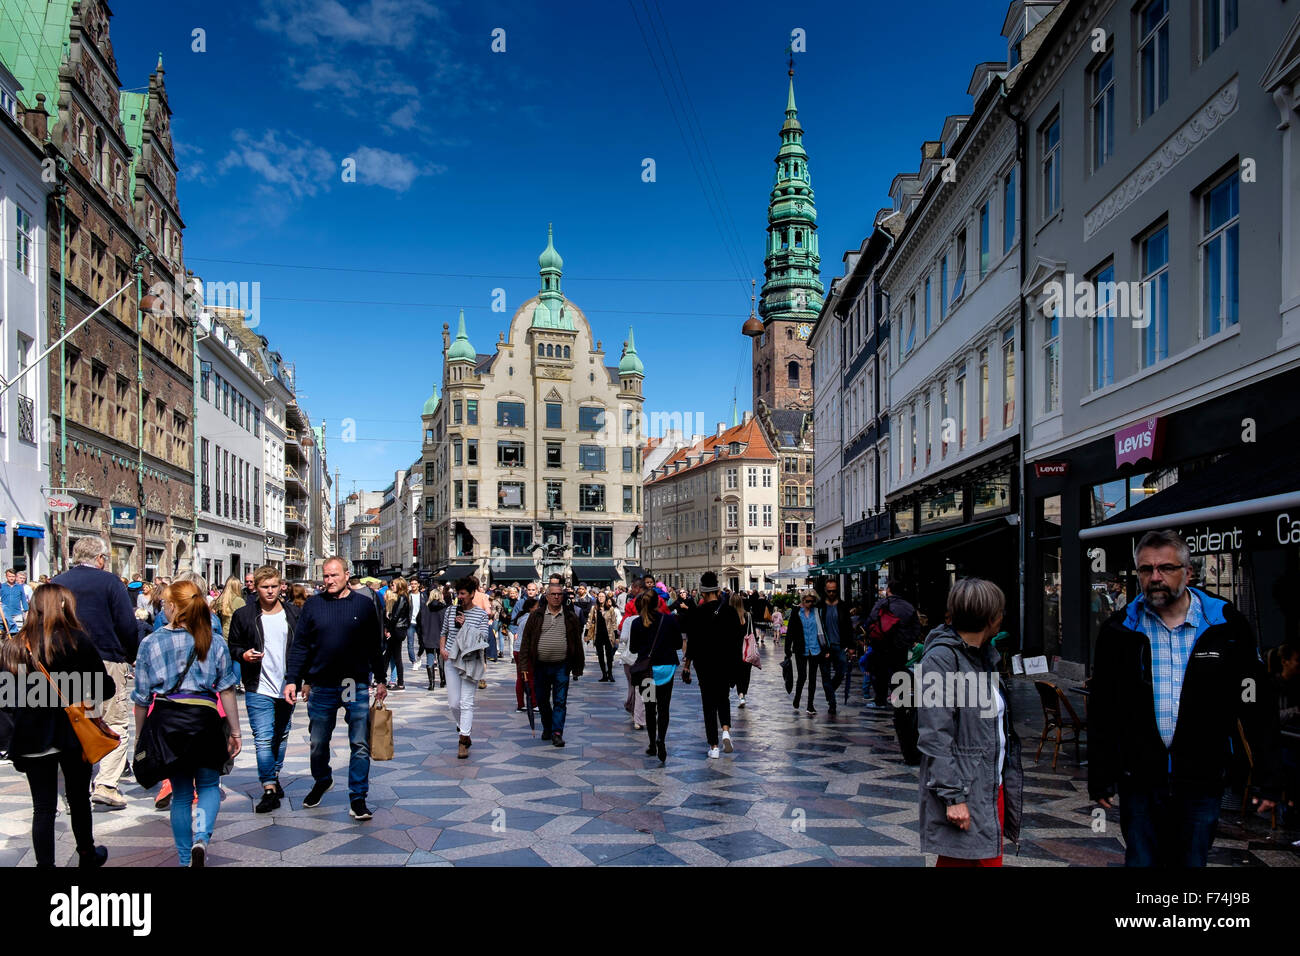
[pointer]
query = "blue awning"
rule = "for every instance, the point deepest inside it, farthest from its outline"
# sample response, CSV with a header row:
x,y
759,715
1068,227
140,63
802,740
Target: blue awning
x,y
2,527
29,530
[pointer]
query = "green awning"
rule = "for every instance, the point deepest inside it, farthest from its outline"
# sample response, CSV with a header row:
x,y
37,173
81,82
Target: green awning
x,y
878,554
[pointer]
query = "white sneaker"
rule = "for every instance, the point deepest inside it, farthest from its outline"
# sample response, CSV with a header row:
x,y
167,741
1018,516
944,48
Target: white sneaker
x,y
726,741
713,752
742,700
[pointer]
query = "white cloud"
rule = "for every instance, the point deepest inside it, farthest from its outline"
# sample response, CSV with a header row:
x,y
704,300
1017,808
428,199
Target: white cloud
x,y
379,167
372,23
301,168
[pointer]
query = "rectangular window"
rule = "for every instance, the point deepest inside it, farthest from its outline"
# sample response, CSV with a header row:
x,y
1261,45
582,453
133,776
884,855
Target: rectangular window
x,y
555,495
521,539
458,498
591,419
554,415
510,454
510,494
430,474
457,412
457,453
911,326
604,542
925,429
1155,292
1220,214
1218,20
1009,210
582,542
429,509
959,283
927,305
943,288
767,516
471,411
984,239
1153,56
628,459
554,454
733,478
1103,112
1008,376
23,243
1103,330
591,497
627,499
961,408
471,494
1051,363
792,534
591,458
912,424
629,421
984,393
1049,147
808,535
753,516
733,517
751,477
499,539
510,414
471,452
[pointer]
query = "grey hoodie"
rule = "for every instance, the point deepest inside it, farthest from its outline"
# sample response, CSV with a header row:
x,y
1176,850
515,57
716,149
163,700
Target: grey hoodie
x,y
959,748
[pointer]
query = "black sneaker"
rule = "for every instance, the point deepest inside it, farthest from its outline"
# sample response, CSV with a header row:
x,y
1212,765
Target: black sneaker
x,y
520,710
313,799
359,810
279,790
547,735
558,740
270,801
92,858
198,855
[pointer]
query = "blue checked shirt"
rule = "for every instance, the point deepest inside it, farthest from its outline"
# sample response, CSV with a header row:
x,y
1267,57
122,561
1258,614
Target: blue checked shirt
x,y
1170,652
162,657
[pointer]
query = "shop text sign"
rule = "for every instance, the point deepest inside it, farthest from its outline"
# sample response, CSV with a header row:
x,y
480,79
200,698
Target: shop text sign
x,y
60,504
1051,469
124,517
1139,441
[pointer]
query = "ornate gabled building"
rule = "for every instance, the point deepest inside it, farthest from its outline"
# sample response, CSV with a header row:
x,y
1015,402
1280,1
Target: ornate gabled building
x,y
533,445
121,388
790,433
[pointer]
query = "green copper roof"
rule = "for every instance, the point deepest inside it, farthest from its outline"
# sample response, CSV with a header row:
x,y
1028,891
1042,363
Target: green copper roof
x,y
550,312
550,260
630,363
431,404
461,350
33,44
131,107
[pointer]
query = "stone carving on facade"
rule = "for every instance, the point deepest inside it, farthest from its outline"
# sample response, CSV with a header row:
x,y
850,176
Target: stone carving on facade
x,y
85,482
155,502
123,492
1173,151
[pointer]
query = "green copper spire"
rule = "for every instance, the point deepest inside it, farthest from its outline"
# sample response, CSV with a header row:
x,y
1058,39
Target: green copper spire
x,y
550,312
630,363
461,350
431,403
793,289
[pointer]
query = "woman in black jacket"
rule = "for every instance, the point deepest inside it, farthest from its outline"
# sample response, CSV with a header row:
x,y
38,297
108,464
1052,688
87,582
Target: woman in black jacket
x,y
397,619
657,638
713,644
430,625
43,741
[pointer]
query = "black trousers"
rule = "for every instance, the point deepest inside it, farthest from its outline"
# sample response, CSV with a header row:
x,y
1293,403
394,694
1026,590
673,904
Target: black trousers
x,y
743,673
656,711
393,652
819,663
605,656
715,695
43,779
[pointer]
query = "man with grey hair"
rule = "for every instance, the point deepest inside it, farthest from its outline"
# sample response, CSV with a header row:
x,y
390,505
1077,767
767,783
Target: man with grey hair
x,y
105,611
1174,672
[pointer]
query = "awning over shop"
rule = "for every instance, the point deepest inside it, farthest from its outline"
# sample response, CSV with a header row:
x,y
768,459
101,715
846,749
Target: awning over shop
x,y
792,574
633,571
509,572
2,527
455,572
880,553
29,530
597,572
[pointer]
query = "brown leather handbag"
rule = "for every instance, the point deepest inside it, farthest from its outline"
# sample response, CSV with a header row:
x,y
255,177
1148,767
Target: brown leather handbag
x,y
98,740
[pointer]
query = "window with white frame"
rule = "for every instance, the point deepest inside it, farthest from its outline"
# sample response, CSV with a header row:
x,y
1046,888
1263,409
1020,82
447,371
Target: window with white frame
x,y
959,283
733,517
1103,329
1008,376
1049,147
751,477
1153,56
984,239
1101,82
23,240
1220,223
733,478
943,288
753,516
1155,293
767,516
1009,210
1052,362
1218,21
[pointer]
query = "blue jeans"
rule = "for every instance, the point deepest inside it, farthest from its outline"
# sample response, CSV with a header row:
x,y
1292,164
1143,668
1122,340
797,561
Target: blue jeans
x,y
189,826
413,642
552,678
322,713
269,717
1168,826
492,642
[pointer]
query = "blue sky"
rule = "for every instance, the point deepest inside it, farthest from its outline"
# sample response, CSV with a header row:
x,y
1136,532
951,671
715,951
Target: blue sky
x,y
464,155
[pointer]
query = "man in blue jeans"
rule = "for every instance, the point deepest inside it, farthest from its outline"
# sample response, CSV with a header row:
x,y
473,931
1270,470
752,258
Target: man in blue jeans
x,y
1175,674
550,649
338,647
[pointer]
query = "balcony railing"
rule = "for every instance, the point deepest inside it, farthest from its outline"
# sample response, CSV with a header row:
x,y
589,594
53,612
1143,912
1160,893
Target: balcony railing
x,y
291,474
294,554
292,514
26,418
291,434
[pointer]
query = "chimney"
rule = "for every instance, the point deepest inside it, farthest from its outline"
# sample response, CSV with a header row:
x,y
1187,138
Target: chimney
x,y
722,427
745,419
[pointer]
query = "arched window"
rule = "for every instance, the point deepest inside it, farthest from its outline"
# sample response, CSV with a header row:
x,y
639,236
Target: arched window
x,y
83,138
97,156
798,237
119,181
541,350
550,351
566,351
792,374
789,333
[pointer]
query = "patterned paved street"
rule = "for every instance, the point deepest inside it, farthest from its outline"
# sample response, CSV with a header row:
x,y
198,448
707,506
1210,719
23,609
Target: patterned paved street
x,y
520,802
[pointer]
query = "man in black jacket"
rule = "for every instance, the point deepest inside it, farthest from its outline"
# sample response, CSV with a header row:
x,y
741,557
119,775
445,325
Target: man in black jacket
x,y
837,624
1173,674
338,648
261,638
891,645
106,612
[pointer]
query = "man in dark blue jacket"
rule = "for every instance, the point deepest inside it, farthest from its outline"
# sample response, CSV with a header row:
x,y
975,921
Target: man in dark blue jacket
x,y
108,616
1174,675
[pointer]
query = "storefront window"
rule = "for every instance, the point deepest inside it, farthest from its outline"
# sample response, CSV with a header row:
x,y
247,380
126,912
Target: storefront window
x,y
942,510
991,495
1049,559
904,520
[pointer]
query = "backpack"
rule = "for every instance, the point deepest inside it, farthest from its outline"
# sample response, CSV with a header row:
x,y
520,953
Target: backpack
x,y
885,622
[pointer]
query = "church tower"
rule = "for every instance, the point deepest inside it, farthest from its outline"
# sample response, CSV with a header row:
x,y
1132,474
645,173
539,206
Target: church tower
x,y
791,296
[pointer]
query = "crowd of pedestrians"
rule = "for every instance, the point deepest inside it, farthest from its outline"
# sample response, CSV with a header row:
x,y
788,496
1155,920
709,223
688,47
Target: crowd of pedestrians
x,y
1162,690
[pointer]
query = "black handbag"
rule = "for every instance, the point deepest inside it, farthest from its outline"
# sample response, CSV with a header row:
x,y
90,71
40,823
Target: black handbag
x,y
178,737
643,669
787,674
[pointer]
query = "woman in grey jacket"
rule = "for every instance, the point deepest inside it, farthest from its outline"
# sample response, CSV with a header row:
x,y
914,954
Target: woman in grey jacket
x,y
971,781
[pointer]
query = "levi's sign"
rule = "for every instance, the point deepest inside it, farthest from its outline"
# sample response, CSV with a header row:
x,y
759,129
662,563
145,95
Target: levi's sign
x,y
1051,469
1138,441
